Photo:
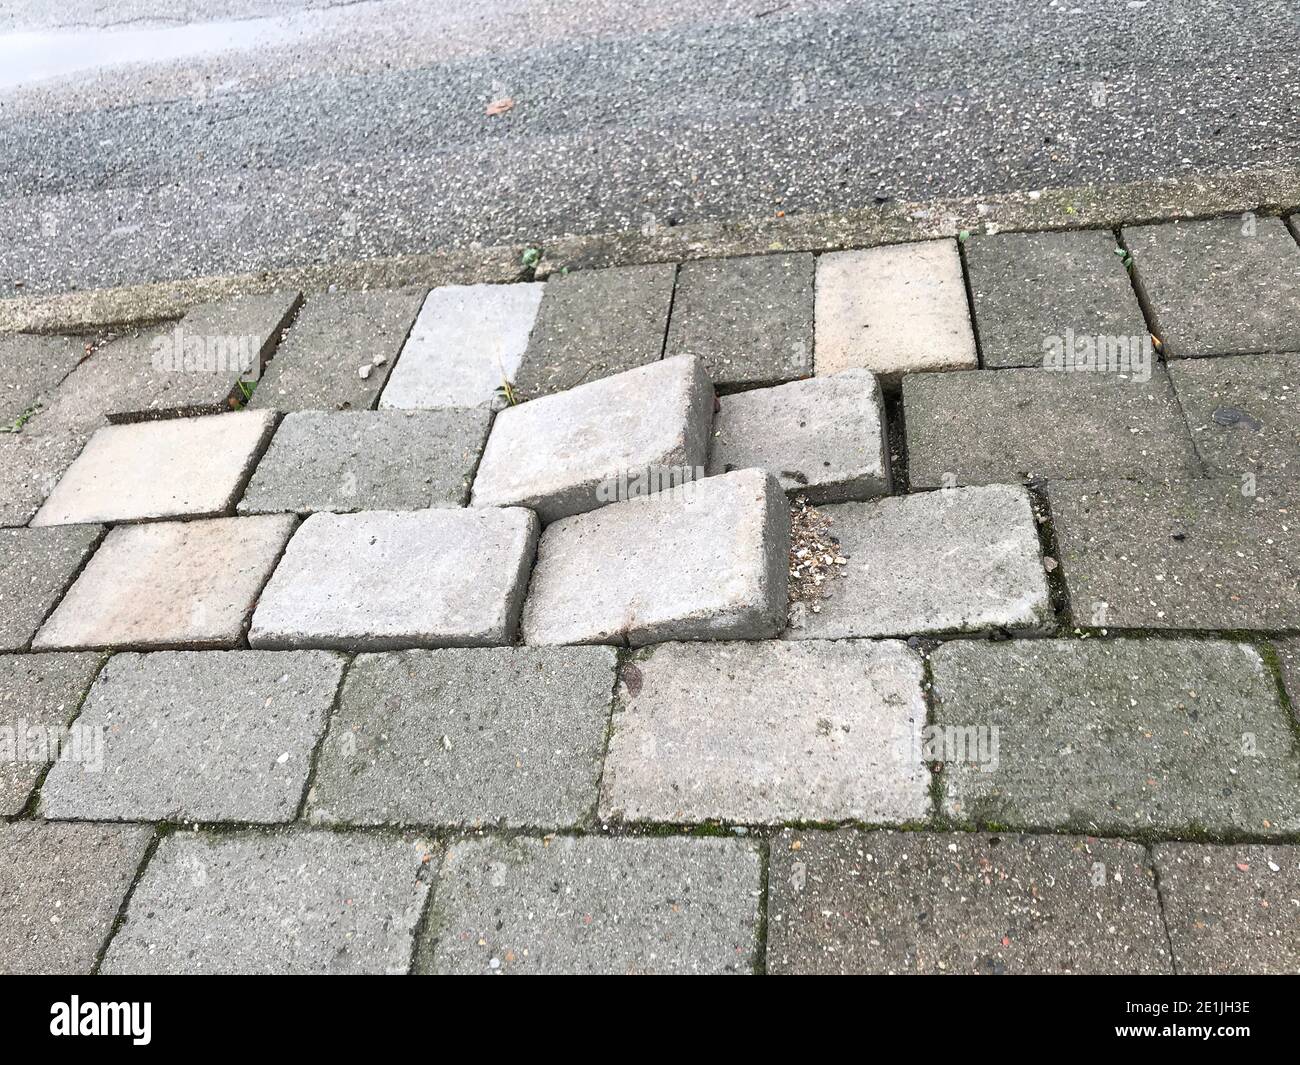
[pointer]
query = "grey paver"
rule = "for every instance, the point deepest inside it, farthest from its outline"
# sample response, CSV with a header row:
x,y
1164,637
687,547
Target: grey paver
x,y
592,905
930,903
282,902
710,563
31,464
1116,736
769,732
384,580
36,567
33,365
198,736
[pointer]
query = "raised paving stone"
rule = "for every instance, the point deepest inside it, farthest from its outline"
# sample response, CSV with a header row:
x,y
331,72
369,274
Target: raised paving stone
x,y
960,560
384,580
571,453
883,902
1117,736
33,365
710,563
169,584
770,732
36,567
199,736
506,736
592,905
297,903
368,460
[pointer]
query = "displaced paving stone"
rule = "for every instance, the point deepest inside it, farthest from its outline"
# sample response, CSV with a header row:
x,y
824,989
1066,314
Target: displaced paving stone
x,y
571,453
883,902
961,560
765,733
297,903
384,580
169,584
198,736
368,460
592,905
1115,736
36,567
710,563
1288,656
33,365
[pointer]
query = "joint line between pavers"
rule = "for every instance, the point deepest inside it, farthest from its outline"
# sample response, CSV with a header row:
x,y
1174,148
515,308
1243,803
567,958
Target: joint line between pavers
x,y
1058,590
763,902
1140,293
255,457
621,655
300,815
969,289
119,918
668,318
67,587
1160,905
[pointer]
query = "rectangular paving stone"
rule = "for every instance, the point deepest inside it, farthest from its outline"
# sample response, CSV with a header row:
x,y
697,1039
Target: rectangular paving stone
x,y
169,584
851,902
33,365
749,319
198,736
505,736
570,453
963,560
766,733
1116,736
283,902
894,310
368,460
384,580
708,561
36,568
593,905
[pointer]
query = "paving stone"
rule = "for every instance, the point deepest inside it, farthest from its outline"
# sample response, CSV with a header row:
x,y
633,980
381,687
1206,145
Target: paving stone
x,y
169,584
1115,736
319,361
36,567
894,310
297,903
1231,909
1288,656
884,902
177,467
467,341
594,323
368,460
961,560
571,453
765,733
1227,286
710,563
30,466
592,905
61,886
980,427
1187,555
384,580
749,319
33,365
199,736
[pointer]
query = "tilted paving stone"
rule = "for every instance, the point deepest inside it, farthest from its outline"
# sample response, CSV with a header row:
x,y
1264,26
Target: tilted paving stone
x,y
593,905
960,560
368,460
280,902
1288,656
823,438
62,886
509,736
749,319
884,902
708,561
1227,286
573,452
33,365
36,567
198,736
385,580
769,732
169,584
1115,736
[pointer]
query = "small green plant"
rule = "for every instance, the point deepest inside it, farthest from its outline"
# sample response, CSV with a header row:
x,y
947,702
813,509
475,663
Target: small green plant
x,y
963,236
17,425
531,257
1126,257
507,392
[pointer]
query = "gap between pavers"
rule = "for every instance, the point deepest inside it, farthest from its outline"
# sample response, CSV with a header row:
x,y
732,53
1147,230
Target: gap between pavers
x,y
36,568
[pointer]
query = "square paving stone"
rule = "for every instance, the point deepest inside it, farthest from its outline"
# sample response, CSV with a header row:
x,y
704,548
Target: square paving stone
x,y
169,584
199,736
1228,286
851,902
283,902
749,319
768,733
33,365
384,580
1116,736
36,568
592,905
368,460
61,886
